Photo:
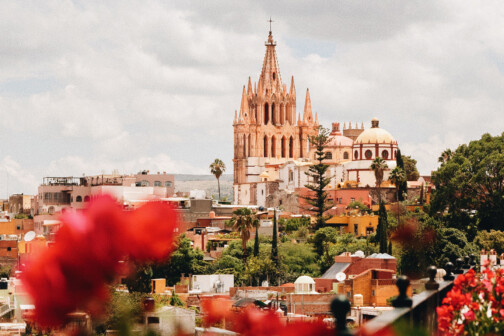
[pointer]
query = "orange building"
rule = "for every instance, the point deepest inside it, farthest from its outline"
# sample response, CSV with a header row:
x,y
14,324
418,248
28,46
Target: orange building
x,y
268,131
361,225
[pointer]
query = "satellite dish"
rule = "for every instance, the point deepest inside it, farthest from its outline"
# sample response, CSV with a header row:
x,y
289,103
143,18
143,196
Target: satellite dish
x,y
29,236
341,276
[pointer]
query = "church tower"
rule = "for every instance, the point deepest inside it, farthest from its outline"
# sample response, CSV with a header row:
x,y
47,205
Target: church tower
x,y
267,130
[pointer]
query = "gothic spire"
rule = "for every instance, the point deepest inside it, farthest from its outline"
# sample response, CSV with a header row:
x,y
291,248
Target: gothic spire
x,y
249,87
244,105
292,90
307,115
270,74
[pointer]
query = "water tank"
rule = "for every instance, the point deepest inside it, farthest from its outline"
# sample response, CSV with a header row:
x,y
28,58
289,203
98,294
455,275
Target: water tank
x,y
358,300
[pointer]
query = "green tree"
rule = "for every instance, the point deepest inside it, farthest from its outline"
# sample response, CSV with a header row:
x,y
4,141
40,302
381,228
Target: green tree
x,y
299,259
445,156
217,168
140,280
490,240
470,185
175,300
398,177
382,229
256,242
321,236
185,259
274,242
403,185
378,166
410,168
358,205
317,177
243,221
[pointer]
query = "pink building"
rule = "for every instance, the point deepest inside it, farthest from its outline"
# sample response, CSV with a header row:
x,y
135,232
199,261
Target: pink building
x,y
58,193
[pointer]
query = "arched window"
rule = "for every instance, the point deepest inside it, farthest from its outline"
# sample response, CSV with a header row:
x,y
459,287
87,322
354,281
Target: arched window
x,y
265,146
384,154
86,198
249,146
273,146
157,183
356,155
328,156
273,117
51,210
291,147
78,199
368,154
266,113
345,155
283,143
244,145
168,184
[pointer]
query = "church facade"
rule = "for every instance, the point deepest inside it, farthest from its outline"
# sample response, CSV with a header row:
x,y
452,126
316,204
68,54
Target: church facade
x,y
271,144
268,131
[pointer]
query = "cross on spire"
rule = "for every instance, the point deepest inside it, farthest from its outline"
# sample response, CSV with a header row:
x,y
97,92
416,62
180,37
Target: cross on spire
x,y
270,21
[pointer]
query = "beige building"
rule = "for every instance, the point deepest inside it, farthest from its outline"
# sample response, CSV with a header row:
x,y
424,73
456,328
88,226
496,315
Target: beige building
x,y
268,131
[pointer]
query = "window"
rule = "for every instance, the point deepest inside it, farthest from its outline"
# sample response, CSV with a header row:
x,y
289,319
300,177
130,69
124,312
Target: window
x,y
9,248
373,292
328,156
168,184
50,210
368,154
144,183
157,183
18,227
352,199
152,320
356,155
345,156
369,231
356,229
384,154
78,199
47,196
291,176
273,76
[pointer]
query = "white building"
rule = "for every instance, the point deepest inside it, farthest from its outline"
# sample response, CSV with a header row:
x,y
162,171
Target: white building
x,y
212,283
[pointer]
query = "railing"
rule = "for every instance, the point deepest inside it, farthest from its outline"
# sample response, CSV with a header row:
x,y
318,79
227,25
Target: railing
x,y
416,312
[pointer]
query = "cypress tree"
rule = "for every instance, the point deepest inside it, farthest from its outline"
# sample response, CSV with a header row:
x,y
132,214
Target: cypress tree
x,y
274,242
382,228
256,242
403,186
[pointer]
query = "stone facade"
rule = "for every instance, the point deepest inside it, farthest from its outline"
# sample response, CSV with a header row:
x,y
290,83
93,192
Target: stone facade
x,y
267,130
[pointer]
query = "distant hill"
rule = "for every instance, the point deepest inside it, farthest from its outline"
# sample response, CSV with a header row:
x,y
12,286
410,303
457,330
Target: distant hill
x,y
188,182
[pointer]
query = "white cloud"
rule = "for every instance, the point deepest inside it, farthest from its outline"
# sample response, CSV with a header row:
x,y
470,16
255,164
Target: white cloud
x,y
91,86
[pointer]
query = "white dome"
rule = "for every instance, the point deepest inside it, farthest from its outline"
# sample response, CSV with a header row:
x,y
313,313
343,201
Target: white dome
x,y
304,279
375,135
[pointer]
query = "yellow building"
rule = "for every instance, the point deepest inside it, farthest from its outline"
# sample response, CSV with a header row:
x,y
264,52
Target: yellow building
x,y
358,224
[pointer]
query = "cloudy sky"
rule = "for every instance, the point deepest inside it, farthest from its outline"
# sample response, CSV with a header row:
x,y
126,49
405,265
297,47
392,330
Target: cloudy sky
x,y
91,86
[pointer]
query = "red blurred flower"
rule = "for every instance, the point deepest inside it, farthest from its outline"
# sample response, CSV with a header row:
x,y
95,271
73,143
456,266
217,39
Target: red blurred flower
x,y
75,271
216,309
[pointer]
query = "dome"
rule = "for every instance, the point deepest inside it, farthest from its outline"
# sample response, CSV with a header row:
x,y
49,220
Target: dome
x,y
304,279
375,134
339,141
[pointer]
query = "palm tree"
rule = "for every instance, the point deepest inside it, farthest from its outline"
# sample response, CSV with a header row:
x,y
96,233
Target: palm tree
x,y
397,176
243,221
378,166
445,156
217,168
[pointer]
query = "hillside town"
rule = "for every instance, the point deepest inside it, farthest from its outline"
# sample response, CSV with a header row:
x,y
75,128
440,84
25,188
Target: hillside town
x,y
329,227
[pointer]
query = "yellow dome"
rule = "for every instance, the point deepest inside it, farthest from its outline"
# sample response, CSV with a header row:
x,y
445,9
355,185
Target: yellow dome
x,y
264,174
374,135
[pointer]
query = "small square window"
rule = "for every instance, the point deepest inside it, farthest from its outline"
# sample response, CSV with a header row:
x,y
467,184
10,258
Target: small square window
x,y
9,248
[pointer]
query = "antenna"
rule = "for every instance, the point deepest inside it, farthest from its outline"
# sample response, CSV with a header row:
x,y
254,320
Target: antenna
x,y
29,236
341,276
